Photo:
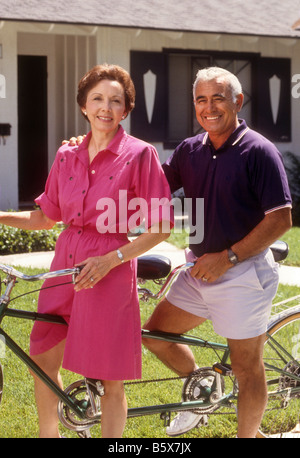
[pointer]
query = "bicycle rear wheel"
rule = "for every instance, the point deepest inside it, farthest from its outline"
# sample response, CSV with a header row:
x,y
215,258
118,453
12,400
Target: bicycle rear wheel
x,y
1,383
282,361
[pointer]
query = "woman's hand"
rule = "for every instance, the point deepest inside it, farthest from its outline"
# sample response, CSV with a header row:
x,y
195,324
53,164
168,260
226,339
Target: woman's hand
x,y
94,269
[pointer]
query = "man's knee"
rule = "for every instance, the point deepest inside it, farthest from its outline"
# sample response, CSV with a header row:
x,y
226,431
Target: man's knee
x,y
153,345
247,361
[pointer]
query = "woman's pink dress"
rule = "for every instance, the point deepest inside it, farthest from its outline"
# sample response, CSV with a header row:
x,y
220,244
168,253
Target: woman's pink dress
x,y
103,339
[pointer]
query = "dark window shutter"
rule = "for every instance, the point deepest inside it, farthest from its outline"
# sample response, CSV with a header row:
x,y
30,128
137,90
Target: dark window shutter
x,y
272,91
148,72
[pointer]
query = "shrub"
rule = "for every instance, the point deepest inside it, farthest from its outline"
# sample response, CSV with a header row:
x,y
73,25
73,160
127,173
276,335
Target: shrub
x,y
292,165
14,241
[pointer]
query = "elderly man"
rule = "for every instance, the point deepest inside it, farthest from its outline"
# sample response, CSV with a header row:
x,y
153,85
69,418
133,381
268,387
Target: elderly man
x,y
247,206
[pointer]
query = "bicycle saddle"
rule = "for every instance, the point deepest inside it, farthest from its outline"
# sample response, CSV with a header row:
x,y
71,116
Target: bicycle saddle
x,y
153,267
280,250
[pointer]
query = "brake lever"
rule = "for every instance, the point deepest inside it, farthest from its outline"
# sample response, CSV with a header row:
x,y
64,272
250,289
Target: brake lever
x,y
76,273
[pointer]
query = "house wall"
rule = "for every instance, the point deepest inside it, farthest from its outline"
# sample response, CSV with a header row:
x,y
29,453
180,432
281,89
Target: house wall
x,y
71,50
70,53
8,114
113,45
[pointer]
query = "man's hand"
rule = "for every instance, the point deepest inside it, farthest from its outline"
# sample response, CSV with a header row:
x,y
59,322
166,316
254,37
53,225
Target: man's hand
x,y
74,141
211,266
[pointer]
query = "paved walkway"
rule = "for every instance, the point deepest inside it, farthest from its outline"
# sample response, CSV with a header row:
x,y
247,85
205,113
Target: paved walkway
x,y
42,260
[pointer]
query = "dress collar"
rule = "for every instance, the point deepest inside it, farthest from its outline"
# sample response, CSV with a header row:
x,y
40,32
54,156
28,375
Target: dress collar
x,y
115,146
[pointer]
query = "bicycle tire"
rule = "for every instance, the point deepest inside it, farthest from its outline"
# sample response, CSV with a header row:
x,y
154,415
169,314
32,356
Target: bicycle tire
x,y
281,418
1,382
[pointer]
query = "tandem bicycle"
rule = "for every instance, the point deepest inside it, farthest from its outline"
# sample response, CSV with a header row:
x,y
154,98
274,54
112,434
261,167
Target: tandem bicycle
x,y
209,391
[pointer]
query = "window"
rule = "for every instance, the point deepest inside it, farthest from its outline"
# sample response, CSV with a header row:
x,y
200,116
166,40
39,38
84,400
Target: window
x,y
164,105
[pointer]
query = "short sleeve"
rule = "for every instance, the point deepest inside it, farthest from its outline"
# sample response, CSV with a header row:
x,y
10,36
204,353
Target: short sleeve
x,y
48,200
153,188
269,179
172,170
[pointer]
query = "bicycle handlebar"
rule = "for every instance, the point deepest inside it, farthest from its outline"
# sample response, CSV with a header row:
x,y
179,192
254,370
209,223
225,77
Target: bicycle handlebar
x,y
76,270
43,276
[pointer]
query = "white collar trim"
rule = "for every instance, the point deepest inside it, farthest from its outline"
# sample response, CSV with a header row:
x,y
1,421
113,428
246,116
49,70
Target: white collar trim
x,y
204,142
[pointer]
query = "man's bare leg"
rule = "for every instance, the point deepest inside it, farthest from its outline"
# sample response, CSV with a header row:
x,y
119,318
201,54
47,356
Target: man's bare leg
x,y
168,318
246,359
248,367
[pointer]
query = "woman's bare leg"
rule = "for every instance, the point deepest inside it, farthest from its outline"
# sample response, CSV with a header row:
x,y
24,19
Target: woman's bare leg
x,y
46,400
114,409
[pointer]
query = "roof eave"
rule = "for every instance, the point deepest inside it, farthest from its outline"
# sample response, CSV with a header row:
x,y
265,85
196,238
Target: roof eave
x,y
295,29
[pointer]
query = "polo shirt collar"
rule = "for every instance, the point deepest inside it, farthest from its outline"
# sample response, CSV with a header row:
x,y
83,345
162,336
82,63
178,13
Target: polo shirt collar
x,y
234,138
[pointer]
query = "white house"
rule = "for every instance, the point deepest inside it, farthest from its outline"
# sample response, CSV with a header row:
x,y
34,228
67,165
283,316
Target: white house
x,y
47,45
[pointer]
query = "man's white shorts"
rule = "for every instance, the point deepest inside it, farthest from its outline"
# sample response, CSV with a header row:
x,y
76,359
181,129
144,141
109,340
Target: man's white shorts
x,y
238,303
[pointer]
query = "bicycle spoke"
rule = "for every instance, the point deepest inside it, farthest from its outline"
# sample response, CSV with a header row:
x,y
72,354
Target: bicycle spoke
x,y
282,362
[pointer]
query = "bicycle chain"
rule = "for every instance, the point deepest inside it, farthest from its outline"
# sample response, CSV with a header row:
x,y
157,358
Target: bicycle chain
x,y
136,382
183,377
195,410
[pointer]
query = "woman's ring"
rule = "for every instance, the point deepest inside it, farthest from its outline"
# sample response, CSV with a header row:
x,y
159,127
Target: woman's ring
x,y
91,279
204,278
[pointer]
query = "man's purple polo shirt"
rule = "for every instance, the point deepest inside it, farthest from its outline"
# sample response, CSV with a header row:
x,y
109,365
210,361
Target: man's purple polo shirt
x,y
240,182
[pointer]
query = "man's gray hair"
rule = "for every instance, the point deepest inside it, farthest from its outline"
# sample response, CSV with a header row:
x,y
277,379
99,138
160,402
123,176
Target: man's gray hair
x,y
212,73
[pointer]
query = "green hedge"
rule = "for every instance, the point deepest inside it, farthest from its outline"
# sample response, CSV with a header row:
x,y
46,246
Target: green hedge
x,y
292,165
14,241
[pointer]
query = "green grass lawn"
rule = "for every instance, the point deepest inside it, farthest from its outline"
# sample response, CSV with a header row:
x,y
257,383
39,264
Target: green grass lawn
x,y
18,412
18,417
292,238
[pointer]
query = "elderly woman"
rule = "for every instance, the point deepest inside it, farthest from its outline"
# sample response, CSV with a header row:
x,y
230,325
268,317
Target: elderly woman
x,y
95,190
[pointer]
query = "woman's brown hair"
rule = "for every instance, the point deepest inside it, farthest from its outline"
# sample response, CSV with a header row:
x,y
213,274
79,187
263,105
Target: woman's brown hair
x,y
109,72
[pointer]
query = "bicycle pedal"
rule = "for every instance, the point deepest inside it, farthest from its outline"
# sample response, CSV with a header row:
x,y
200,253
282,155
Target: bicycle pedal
x,y
96,386
223,369
203,421
166,417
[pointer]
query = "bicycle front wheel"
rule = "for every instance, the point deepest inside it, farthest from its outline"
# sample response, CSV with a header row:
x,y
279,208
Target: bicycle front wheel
x,y
1,382
282,363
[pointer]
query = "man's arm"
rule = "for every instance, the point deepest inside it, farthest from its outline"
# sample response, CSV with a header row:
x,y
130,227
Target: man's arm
x,y
212,265
270,229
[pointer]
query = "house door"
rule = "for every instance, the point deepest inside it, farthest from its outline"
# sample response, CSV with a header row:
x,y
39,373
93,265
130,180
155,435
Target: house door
x,y
32,127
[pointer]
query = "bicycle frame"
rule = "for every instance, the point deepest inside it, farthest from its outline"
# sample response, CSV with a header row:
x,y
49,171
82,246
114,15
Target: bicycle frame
x,y
81,409
12,274
191,341
132,412
65,398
